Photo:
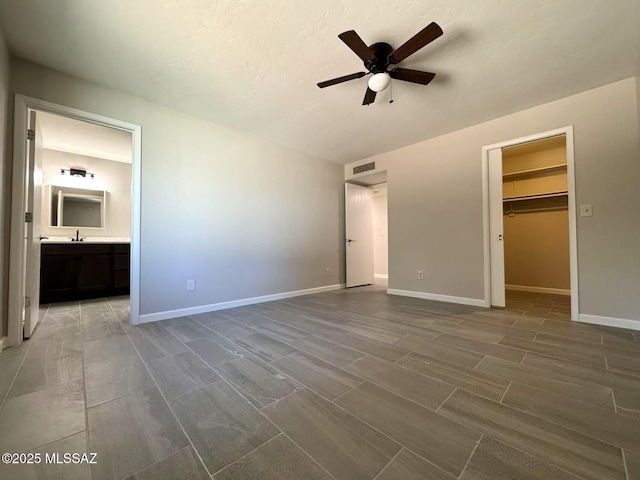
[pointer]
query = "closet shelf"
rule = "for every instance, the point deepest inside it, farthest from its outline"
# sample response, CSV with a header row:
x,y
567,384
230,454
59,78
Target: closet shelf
x,y
563,193
534,171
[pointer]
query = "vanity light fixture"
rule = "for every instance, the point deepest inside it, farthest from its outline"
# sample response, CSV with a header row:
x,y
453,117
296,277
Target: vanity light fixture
x,y
77,172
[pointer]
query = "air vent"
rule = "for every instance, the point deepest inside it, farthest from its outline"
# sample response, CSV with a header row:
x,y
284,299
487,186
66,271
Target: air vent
x,y
364,168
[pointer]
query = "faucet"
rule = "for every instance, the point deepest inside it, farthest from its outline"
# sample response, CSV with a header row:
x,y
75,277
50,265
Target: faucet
x,y
77,239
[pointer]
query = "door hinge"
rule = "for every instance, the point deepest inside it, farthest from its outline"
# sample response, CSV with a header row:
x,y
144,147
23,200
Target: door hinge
x,y
28,217
27,302
31,134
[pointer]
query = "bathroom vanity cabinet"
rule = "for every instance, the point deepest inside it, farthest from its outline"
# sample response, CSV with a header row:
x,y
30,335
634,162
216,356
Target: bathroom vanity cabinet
x,y
79,270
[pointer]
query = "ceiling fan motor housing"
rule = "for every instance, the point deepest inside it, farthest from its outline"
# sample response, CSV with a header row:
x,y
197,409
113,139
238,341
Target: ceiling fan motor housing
x,y
382,51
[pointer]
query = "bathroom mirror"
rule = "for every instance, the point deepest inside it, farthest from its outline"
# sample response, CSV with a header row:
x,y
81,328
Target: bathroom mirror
x,y
77,207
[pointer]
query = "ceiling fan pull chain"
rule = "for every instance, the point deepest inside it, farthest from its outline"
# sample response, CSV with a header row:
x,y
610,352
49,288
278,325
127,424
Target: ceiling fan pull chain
x,y
391,92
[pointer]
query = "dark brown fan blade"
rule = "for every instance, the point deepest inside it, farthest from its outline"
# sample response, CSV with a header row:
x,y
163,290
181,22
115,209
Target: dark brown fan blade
x,y
413,76
355,43
411,46
346,78
369,97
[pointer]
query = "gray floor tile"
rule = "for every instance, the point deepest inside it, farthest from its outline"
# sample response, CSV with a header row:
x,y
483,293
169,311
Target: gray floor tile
x,y
213,352
187,329
494,460
150,329
279,331
54,345
181,373
114,379
39,372
265,347
131,433
627,403
99,331
183,465
9,365
550,381
258,381
322,377
409,466
246,318
571,329
222,425
569,450
377,348
52,471
443,442
483,384
581,417
38,418
624,365
231,329
343,445
476,330
632,461
328,351
441,352
209,318
291,464
595,359
499,351
151,347
107,350
621,381
426,391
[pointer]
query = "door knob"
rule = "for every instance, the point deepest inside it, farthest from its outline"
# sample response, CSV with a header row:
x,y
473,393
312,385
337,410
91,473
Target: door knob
x,y
44,238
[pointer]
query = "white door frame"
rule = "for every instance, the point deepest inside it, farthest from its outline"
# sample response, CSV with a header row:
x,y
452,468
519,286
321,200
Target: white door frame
x,y
16,271
571,187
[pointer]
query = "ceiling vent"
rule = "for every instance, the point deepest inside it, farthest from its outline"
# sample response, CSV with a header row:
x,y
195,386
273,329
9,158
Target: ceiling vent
x,y
364,168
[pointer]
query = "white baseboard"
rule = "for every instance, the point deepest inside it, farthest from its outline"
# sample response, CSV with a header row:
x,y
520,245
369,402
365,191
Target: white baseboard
x,y
476,302
526,288
610,321
4,343
380,275
155,317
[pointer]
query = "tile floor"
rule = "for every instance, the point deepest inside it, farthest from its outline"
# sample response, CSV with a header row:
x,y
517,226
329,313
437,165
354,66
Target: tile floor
x,y
352,384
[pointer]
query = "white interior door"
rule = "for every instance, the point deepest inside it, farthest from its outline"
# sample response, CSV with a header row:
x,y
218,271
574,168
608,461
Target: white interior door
x,y
496,228
32,239
359,233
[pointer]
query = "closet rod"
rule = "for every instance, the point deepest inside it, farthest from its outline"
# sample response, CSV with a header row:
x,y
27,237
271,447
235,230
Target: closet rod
x,y
533,210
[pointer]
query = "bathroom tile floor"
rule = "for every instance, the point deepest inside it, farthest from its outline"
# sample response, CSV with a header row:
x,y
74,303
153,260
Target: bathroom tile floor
x,y
350,384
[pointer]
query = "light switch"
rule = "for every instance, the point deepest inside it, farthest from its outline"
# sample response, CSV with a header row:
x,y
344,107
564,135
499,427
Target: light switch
x,y
586,210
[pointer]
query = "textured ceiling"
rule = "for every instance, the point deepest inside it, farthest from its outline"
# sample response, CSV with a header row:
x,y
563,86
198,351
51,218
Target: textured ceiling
x,y
253,66
84,138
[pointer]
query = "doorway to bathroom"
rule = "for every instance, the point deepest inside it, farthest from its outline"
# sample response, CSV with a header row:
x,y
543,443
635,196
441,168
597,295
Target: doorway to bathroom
x,y
76,175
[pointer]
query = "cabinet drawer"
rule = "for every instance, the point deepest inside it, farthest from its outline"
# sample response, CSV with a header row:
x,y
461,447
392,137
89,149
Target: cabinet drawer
x,y
121,248
75,249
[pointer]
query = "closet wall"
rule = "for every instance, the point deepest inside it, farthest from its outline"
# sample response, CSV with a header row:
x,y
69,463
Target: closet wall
x,y
536,230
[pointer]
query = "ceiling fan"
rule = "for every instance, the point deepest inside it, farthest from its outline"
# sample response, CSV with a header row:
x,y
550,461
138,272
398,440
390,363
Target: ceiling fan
x,y
380,56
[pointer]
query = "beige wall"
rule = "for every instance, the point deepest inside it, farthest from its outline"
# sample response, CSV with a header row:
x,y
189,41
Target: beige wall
x,y
242,217
113,177
435,200
380,240
5,183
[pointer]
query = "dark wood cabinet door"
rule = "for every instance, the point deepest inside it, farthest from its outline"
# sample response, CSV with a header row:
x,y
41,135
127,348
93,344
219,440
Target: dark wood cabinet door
x,y
58,276
95,273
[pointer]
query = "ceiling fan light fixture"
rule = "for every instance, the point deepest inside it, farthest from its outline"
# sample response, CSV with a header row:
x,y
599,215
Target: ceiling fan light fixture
x,y
379,82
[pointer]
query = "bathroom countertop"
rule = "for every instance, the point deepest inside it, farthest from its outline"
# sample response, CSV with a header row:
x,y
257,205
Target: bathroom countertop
x,y
88,240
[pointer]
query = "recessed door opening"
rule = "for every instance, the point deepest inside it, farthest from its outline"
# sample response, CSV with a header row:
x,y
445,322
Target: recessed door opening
x,y
366,227
536,228
532,256
75,211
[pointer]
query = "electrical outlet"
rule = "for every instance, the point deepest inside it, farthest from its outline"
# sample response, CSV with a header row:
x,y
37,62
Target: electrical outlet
x,y
191,285
420,275
328,273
